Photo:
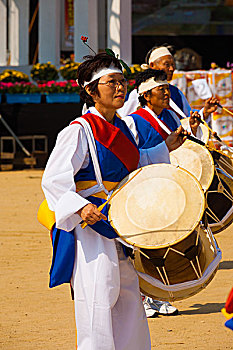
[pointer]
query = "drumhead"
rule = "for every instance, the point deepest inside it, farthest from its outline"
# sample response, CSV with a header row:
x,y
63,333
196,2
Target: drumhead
x,y
204,129
160,206
197,160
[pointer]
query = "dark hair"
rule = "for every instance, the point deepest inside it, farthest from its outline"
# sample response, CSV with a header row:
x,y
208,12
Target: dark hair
x,y
144,76
86,70
169,47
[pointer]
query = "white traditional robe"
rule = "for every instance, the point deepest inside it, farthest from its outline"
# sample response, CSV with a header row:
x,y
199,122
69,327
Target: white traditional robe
x,y
108,307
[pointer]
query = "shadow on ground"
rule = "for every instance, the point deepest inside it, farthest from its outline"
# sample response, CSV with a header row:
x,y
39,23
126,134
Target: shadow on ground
x,y
208,308
226,265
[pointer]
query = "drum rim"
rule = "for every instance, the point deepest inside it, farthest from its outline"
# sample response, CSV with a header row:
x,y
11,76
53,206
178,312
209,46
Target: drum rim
x,y
211,162
175,241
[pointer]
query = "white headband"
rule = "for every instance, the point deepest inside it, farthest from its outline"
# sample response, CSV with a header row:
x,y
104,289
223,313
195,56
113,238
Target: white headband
x,y
101,72
155,54
150,84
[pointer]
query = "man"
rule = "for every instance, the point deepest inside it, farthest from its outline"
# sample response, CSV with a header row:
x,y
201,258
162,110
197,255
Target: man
x,y
160,58
151,125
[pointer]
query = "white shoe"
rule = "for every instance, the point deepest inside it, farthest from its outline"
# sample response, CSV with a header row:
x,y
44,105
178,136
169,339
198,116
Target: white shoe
x,y
162,307
150,313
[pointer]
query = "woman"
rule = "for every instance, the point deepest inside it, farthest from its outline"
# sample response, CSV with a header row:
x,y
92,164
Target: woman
x,y
79,176
152,123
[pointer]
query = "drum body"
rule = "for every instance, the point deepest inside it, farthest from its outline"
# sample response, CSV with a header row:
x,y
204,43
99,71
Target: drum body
x,y
180,270
210,169
158,214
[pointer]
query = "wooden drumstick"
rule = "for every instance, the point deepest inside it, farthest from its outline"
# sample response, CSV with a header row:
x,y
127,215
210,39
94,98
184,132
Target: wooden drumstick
x,y
194,139
84,224
217,138
211,130
225,109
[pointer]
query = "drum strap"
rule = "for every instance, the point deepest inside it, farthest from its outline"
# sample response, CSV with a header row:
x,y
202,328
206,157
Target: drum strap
x,y
92,147
177,109
147,114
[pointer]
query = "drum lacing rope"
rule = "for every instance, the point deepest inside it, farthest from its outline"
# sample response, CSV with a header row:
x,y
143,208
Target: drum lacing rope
x,y
214,246
197,260
224,161
219,190
213,216
164,282
184,255
223,171
227,194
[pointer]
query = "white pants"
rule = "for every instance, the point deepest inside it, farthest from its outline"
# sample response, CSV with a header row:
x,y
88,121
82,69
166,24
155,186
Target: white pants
x,y
108,306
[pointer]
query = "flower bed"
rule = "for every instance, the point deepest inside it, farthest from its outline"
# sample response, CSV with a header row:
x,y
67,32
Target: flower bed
x,y
42,72
45,76
26,92
22,87
51,87
13,76
69,70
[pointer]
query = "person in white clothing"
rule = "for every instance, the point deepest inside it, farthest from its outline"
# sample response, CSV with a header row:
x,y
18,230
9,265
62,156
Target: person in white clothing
x,y
87,162
160,58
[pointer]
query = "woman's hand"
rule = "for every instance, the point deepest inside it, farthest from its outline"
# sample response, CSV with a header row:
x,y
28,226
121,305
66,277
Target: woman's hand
x,y
90,214
194,121
176,139
210,106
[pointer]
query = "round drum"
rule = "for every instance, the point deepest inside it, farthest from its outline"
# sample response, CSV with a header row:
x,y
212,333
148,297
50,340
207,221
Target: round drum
x,y
209,170
158,215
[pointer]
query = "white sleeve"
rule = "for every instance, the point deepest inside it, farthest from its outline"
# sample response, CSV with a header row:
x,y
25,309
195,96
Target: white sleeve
x,y
130,105
66,159
154,155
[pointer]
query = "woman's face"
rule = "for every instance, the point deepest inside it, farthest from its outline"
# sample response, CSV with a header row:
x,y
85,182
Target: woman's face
x,y
112,90
158,98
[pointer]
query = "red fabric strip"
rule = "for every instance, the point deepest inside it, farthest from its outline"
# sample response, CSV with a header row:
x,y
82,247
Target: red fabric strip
x,y
229,303
147,116
113,139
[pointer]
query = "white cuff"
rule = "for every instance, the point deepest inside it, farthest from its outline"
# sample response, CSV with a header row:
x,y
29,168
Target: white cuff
x,y
154,155
66,210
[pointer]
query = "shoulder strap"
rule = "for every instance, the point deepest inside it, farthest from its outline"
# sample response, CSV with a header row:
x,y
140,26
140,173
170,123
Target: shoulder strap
x,y
155,122
114,139
92,147
177,109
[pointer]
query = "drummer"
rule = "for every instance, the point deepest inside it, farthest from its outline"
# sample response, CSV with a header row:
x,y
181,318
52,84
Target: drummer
x,y
77,179
160,57
153,122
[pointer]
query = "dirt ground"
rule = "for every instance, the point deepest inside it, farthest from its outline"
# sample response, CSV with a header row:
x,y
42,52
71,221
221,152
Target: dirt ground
x,y
38,318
